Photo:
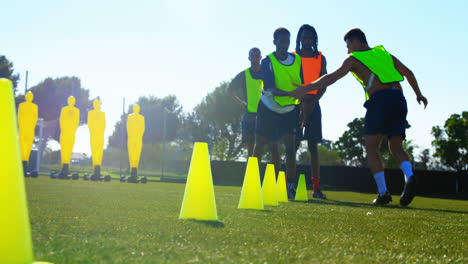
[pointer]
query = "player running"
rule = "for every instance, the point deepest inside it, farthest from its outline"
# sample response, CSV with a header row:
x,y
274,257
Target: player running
x,y
249,83
380,74
278,112
309,128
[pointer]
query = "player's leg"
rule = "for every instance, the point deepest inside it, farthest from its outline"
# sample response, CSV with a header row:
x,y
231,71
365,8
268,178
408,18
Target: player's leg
x,y
315,169
287,131
275,156
264,130
260,142
248,132
250,147
373,156
375,165
395,144
313,134
290,144
375,126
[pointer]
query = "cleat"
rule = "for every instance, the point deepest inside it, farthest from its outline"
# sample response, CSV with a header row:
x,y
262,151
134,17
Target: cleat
x,y
319,194
409,191
291,190
384,199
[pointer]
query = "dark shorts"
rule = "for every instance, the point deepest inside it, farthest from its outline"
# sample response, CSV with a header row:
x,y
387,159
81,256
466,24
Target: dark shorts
x,y
272,125
312,130
248,127
386,113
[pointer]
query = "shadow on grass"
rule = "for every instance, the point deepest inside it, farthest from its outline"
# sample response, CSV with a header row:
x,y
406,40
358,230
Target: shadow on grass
x,y
369,205
216,224
294,201
257,210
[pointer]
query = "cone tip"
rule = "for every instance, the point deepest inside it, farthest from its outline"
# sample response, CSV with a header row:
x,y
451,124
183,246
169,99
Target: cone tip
x,y
5,82
254,159
200,143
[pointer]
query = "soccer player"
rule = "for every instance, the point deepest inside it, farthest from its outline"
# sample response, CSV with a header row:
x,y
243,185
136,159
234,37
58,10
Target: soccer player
x,y
380,74
249,83
314,65
277,115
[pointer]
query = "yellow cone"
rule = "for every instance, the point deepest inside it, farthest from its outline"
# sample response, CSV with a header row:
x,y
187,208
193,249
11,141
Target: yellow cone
x,y
15,231
251,194
199,199
269,189
301,192
281,185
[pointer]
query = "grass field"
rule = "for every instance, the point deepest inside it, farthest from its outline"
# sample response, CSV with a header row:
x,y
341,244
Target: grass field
x,y
98,222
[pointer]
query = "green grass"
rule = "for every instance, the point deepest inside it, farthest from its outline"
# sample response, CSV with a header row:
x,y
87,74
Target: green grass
x,y
99,222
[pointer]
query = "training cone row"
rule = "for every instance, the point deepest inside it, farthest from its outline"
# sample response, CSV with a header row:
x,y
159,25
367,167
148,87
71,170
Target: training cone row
x,y
269,188
251,194
199,199
281,185
15,231
301,191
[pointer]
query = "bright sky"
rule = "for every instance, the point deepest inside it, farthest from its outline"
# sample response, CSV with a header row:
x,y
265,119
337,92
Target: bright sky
x,y
134,48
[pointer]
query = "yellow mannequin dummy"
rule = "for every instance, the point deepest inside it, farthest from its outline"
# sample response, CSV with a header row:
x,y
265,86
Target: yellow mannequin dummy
x,y
96,125
27,119
69,121
135,131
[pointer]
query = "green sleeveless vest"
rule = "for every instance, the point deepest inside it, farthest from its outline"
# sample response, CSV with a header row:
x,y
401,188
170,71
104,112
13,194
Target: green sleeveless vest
x,y
285,76
254,91
380,62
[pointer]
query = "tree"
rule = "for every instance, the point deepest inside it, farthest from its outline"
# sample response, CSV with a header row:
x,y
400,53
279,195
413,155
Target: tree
x,y
425,158
351,146
451,142
152,108
6,71
217,120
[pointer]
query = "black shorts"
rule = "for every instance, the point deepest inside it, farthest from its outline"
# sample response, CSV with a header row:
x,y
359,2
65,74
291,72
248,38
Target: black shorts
x,y
386,113
272,125
312,130
248,127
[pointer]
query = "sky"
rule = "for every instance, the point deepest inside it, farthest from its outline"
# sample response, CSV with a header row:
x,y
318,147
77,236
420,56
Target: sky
x,y
187,48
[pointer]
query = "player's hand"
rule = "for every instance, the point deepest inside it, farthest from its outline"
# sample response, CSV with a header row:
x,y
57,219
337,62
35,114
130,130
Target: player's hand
x,y
244,106
299,92
423,99
302,115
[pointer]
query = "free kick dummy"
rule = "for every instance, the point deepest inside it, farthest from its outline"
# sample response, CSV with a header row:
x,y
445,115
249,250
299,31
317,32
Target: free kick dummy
x,y
135,131
69,121
96,125
27,119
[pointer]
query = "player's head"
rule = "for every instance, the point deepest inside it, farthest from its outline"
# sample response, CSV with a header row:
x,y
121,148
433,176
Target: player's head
x,y
71,100
136,108
354,39
281,39
96,104
29,97
307,39
255,56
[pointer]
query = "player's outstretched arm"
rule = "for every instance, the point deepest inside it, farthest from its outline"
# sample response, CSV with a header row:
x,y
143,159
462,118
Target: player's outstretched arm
x,y
411,79
324,81
229,91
